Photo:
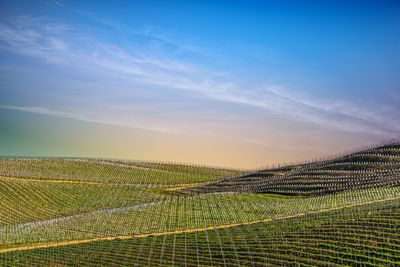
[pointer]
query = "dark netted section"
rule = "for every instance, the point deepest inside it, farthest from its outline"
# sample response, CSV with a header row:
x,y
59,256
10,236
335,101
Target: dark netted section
x,y
372,167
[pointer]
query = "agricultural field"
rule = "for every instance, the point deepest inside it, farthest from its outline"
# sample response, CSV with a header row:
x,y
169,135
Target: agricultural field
x,y
341,211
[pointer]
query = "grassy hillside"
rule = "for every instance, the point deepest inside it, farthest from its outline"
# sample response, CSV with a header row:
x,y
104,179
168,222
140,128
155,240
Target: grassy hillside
x,y
69,212
374,167
366,235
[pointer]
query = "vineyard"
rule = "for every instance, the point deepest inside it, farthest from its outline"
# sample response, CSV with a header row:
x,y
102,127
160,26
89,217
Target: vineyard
x,y
340,211
375,167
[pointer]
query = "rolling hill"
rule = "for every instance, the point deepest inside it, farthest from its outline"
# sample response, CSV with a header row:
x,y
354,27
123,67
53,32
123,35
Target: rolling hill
x,y
342,211
373,167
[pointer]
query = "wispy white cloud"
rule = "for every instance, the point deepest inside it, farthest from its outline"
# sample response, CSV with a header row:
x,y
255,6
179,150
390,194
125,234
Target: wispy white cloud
x,y
124,32
73,47
48,111
84,116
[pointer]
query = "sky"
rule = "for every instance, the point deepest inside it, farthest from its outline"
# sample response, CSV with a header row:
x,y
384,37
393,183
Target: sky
x,y
229,83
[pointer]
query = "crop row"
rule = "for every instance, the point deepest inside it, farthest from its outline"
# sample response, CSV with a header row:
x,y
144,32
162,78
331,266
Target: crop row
x,y
167,212
341,174
359,236
110,172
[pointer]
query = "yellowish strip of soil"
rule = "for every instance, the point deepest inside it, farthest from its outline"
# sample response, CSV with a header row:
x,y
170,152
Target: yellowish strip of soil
x,y
47,180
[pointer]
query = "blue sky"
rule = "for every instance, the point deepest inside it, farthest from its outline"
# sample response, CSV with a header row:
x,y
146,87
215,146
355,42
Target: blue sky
x,y
292,74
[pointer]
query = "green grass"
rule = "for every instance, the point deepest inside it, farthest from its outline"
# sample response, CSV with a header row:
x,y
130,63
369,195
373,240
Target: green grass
x,y
111,172
170,212
110,199
360,236
45,200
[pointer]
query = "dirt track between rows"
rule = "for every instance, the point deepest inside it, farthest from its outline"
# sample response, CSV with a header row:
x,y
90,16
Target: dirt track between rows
x,y
44,180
